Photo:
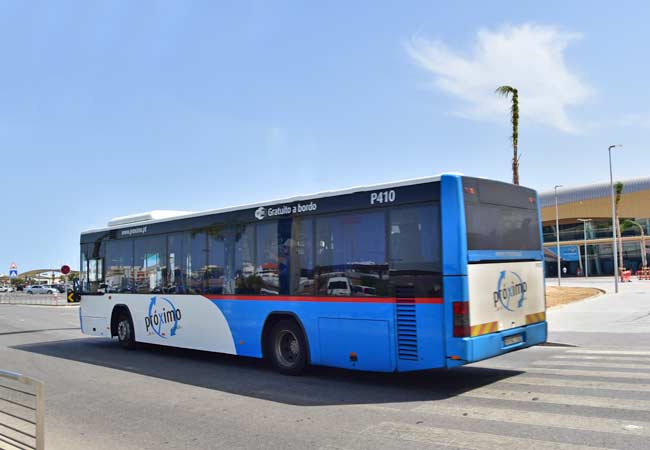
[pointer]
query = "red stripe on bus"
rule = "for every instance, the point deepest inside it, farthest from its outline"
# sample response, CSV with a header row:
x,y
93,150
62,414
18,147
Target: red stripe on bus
x,y
331,299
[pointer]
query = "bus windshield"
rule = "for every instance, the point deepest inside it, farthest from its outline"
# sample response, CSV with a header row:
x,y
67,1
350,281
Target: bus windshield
x,y
500,216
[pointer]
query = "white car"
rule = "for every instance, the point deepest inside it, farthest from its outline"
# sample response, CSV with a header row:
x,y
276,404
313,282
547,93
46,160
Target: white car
x,y
38,289
339,286
6,289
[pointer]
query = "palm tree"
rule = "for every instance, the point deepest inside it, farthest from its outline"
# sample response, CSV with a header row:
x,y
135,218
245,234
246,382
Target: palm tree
x,y
627,224
506,91
618,191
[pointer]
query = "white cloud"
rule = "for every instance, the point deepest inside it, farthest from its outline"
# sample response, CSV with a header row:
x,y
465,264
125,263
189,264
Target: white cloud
x,y
527,57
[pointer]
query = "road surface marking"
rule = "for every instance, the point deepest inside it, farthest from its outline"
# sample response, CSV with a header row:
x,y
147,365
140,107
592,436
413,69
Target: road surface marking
x,y
464,439
538,418
610,352
560,399
634,359
604,365
588,373
587,384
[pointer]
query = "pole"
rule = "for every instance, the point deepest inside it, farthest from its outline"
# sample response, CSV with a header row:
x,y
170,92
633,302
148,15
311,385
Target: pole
x,y
614,246
584,231
584,238
557,238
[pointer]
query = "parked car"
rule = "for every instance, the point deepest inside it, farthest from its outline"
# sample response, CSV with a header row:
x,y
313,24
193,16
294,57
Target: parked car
x,y
6,288
57,287
41,289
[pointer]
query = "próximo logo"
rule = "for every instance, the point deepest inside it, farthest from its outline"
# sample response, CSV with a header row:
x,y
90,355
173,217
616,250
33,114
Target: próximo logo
x,y
163,318
511,291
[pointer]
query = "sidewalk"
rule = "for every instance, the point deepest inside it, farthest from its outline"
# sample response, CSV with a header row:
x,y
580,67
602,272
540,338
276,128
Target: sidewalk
x,y
625,312
604,283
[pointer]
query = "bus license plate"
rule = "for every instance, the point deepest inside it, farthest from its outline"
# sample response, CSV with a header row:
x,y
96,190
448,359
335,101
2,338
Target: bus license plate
x,y
510,340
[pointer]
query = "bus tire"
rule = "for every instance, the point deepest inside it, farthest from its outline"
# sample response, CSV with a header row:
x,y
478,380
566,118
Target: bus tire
x,y
125,331
287,348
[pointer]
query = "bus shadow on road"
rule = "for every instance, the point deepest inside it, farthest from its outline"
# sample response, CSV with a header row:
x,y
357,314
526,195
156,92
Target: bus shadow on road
x,y
255,378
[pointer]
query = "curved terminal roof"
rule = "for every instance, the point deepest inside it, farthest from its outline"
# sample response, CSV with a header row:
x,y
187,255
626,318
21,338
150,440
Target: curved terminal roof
x,y
591,192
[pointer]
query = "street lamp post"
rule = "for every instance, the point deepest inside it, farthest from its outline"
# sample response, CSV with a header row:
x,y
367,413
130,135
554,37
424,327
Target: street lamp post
x,y
584,234
615,246
557,238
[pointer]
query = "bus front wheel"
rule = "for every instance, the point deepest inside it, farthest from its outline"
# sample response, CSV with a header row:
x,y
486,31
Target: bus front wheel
x,y
125,333
288,348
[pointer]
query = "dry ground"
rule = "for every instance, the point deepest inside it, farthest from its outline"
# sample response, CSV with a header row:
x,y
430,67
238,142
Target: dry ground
x,y
560,295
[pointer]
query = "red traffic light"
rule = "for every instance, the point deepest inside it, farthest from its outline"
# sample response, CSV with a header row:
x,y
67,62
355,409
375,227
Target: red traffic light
x,y
65,269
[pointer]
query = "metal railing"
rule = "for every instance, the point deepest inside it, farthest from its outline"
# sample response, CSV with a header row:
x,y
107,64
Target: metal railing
x,y
36,299
22,412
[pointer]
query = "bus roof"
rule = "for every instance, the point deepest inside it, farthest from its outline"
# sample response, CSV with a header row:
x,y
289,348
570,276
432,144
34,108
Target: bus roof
x,y
159,216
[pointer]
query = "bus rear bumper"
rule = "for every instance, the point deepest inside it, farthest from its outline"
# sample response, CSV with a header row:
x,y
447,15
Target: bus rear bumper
x,y
495,344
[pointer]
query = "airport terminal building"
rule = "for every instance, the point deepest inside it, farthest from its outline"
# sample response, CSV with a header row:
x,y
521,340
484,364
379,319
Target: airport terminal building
x,y
592,204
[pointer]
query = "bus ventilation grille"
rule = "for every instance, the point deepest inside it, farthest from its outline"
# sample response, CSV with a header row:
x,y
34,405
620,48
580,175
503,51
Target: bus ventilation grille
x,y
407,336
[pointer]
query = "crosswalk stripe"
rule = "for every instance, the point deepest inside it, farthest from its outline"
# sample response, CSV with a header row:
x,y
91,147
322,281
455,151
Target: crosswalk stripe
x,y
589,373
471,440
587,384
537,418
613,365
564,399
610,352
632,359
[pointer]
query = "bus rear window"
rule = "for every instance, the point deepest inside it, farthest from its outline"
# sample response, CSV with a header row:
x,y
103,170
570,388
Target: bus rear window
x,y
500,216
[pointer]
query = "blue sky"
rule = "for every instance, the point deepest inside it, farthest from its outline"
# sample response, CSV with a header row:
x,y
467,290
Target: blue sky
x,y
110,108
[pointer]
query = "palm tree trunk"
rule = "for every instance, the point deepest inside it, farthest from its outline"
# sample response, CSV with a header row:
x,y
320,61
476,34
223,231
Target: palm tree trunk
x,y
515,137
644,261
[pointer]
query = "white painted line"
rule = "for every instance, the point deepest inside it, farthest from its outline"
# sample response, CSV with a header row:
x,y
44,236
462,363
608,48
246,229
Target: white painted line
x,y
559,399
589,373
610,352
633,359
595,424
604,365
586,384
463,439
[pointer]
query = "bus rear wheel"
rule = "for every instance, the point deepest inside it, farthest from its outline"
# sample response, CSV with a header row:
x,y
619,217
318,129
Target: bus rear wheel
x,y
288,348
125,333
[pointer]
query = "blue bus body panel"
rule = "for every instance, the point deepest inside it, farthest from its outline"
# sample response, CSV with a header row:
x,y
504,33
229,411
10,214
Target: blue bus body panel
x,y
454,257
333,329
336,329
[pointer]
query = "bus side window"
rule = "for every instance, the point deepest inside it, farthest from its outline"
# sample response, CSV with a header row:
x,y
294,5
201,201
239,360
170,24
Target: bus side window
x,y
119,266
92,266
415,251
351,254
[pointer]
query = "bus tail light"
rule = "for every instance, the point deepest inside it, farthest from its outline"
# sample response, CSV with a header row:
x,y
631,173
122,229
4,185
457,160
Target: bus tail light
x,y
461,319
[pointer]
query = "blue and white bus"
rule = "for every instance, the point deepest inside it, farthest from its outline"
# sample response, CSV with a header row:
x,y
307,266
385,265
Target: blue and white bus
x,y
419,274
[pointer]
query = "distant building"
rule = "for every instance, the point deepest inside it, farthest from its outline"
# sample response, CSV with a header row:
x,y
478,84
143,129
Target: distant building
x,y
594,202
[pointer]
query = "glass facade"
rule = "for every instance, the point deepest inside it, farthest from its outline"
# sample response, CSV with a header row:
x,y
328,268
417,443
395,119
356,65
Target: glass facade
x,y
598,234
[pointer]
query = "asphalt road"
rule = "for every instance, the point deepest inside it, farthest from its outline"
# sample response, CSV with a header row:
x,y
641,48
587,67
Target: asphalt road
x,y
590,389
